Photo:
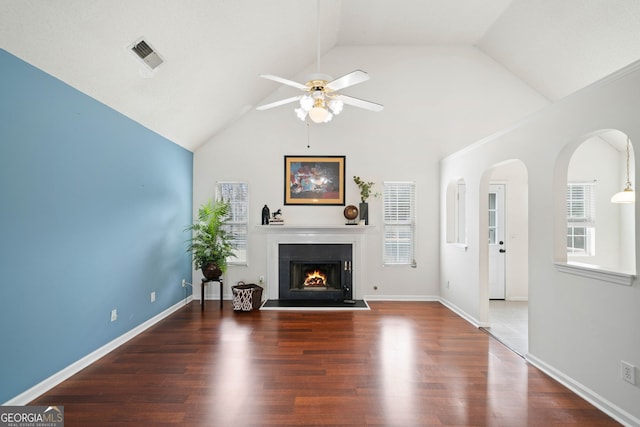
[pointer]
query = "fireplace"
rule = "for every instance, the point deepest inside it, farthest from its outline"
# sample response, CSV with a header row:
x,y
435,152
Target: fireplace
x,y
315,271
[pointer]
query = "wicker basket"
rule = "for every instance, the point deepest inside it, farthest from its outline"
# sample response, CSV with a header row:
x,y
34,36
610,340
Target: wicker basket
x,y
246,297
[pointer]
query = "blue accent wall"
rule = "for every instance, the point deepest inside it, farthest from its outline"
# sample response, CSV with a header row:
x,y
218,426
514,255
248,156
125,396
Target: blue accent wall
x,y
93,208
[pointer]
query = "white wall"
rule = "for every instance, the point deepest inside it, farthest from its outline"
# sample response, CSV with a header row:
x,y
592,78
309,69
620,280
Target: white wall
x,y
579,328
437,99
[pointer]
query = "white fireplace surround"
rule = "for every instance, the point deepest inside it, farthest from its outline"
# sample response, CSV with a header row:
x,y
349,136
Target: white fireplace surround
x,y
282,234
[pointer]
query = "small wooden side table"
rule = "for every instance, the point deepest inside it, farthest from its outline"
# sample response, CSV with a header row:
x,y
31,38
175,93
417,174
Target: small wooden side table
x,y
204,282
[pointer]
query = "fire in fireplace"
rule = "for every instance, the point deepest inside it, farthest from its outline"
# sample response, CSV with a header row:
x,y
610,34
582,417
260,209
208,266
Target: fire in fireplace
x,y
315,271
315,279
306,276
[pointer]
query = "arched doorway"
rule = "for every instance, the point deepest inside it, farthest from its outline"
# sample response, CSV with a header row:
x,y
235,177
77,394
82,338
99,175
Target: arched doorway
x,y
504,259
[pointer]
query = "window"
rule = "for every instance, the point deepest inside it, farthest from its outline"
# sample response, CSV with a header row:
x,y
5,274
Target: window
x,y
580,219
237,194
399,223
493,216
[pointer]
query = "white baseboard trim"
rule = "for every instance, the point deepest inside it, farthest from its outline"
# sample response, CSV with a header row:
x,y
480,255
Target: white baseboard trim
x,y
586,393
516,298
423,298
60,376
462,313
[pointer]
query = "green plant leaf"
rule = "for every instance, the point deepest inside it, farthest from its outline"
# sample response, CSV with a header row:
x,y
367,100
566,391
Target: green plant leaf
x,y
210,241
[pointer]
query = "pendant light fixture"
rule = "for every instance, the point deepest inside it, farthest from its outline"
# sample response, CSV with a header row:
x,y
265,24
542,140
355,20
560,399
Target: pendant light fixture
x,y
627,195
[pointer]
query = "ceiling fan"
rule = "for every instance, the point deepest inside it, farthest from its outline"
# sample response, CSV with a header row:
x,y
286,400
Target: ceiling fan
x,y
321,100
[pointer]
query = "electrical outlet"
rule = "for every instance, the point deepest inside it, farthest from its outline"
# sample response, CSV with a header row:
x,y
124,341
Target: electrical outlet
x,y
114,315
447,284
261,279
628,372
153,296
184,283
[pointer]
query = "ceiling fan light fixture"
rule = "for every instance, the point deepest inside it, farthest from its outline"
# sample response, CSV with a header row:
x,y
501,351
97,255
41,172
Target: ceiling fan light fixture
x,y
301,113
319,114
336,106
306,102
321,100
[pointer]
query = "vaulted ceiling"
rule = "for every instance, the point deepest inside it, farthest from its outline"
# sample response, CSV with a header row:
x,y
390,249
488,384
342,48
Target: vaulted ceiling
x,y
213,50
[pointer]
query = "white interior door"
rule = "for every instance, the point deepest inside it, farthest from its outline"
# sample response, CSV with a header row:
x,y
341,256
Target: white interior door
x,y
497,247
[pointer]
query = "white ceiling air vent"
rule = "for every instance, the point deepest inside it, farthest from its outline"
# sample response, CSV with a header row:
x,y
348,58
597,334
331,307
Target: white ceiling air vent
x,y
147,54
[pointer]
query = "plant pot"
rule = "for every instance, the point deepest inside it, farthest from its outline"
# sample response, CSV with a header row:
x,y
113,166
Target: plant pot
x,y
211,271
364,212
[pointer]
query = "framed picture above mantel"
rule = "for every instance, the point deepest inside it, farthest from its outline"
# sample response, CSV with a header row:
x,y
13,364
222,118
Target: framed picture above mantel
x,y
314,180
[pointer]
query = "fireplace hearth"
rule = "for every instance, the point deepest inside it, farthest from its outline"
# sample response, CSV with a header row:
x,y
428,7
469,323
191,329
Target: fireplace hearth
x,y
315,271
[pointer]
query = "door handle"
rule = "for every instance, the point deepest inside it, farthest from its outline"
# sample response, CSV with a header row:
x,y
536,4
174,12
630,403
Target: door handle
x,y
503,251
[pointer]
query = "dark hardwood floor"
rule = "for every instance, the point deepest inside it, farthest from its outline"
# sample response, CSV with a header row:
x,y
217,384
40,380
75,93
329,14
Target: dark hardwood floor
x,y
400,364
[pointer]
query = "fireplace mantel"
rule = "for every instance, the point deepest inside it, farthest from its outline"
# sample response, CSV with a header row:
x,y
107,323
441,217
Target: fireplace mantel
x,y
309,234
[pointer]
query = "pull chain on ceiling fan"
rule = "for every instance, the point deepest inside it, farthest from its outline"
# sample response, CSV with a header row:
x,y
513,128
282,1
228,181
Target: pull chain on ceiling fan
x,y
321,100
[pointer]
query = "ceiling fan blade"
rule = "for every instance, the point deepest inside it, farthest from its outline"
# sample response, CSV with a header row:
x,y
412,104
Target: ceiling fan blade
x,y
356,102
284,81
278,103
353,78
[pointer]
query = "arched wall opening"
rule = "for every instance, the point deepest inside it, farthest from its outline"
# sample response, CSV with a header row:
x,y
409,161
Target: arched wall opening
x,y
589,230
514,176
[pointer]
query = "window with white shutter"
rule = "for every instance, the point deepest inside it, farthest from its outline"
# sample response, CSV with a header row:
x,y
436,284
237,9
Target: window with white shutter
x,y
237,194
399,223
580,219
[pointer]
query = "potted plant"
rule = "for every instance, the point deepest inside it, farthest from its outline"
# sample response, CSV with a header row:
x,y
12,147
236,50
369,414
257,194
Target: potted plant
x,y
365,192
211,244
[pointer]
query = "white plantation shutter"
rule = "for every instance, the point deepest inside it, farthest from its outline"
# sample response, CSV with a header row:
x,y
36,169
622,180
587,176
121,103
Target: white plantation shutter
x,y
580,206
237,194
581,219
399,223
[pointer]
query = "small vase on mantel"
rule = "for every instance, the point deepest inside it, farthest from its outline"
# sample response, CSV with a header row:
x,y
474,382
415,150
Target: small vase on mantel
x,y
364,212
365,192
